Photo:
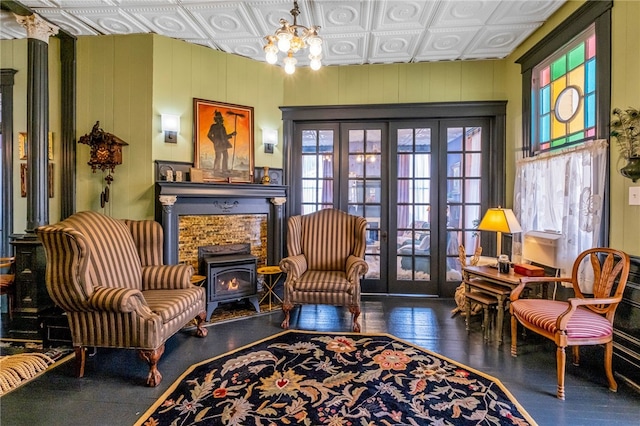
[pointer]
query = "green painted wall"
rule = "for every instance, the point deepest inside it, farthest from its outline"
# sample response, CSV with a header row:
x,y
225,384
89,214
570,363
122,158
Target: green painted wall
x,y
115,88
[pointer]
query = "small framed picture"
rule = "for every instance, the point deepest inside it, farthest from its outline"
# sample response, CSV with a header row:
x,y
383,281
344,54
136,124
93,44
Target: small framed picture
x,y
23,180
23,147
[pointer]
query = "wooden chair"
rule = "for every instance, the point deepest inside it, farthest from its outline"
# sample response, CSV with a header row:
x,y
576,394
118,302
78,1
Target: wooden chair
x,y
581,320
7,280
325,261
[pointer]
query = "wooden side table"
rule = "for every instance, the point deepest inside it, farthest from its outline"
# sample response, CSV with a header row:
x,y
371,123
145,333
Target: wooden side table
x,y
490,281
273,273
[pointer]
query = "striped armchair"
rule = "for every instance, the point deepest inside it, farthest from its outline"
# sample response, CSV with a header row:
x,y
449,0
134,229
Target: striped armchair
x,y
325,261
108,276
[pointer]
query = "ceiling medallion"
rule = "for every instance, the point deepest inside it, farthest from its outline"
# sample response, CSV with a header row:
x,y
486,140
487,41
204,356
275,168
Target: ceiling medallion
x,y
291,38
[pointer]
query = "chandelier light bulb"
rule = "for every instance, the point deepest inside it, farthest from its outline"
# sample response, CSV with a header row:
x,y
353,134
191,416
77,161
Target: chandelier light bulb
x,y
271,51
271,57
315,63
290,64
284,42
315,49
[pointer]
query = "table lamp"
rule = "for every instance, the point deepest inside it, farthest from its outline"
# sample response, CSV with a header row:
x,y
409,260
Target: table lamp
x,y
499,220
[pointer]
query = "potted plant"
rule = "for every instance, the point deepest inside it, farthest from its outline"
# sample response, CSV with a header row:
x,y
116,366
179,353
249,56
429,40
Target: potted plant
x,y
625,127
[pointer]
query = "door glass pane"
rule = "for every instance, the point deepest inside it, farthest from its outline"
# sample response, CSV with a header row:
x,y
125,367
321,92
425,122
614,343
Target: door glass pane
x,y
365,196
413,238
317,170
464,169
356,165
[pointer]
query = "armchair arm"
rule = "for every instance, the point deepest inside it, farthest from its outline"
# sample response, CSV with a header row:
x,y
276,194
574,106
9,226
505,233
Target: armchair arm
x,y
166,277
515,294
356,266
294,266
116,299
573,303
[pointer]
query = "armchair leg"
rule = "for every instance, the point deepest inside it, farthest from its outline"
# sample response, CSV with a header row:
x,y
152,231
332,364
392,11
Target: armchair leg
x,y
286,309
608,355
561,359
576,355
514,336
152,357
81,354
355,312
201,331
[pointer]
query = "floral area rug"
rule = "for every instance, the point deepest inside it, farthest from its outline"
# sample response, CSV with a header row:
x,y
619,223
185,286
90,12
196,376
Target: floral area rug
x,y
307,378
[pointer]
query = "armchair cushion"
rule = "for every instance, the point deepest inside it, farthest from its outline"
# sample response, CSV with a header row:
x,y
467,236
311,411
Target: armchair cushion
x,y
324,282
169,304
583,324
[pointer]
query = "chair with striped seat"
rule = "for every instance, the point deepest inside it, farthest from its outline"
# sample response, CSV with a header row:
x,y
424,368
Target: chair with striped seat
x,y
581,320
108,276
325,261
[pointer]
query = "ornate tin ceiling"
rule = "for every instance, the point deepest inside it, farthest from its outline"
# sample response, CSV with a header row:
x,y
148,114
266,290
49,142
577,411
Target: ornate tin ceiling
x,y
354,31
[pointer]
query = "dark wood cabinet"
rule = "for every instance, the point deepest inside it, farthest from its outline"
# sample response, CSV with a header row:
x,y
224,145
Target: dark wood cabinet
x,y
626,329
32,298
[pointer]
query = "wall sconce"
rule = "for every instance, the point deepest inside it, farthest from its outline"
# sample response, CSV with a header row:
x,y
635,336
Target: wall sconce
x,y
170,126
269,140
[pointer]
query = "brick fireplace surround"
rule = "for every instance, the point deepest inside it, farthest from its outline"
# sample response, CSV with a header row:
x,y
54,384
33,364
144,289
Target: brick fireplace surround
x,y
200,214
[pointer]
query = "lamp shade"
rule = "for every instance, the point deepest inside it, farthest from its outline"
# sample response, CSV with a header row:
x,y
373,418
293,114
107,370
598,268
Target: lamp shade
x,y
500,220
170,122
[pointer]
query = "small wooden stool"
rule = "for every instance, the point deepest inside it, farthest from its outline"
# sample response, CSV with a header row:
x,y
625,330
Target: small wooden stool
x,y
487,302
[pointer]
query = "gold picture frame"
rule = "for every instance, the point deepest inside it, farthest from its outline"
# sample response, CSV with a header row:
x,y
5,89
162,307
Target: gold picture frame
x,y
223,139
23,180
23,149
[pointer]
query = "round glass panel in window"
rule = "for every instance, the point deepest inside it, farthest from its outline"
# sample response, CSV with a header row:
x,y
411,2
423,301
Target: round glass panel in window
x,y
567,104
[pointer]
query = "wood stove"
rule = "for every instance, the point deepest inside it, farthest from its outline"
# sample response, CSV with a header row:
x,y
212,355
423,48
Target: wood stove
x,y
231,274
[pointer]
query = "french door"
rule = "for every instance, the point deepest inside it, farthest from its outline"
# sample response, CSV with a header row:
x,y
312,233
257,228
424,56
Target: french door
x,y
422,184
436,201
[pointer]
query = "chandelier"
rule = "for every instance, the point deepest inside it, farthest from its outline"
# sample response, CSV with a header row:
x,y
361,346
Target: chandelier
x,y
291,38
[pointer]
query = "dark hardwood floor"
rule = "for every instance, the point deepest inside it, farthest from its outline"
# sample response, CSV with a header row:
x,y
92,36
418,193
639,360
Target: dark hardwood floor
x,y
112,391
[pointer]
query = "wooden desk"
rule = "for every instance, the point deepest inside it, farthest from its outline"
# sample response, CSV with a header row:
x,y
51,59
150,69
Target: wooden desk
x,y
488,280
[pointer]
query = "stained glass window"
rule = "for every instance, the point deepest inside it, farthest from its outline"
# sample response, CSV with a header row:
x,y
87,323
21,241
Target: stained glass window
x,y
563,110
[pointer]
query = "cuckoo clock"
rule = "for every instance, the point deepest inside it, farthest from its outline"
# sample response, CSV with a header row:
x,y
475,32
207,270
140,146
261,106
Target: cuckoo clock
x,y
106,154
106,150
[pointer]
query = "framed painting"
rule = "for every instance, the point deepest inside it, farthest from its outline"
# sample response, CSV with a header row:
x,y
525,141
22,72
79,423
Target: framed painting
x,y
223,139
23,180
23,148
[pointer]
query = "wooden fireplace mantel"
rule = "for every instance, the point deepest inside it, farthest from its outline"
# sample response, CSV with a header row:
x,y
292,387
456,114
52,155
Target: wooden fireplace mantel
x,y
174,199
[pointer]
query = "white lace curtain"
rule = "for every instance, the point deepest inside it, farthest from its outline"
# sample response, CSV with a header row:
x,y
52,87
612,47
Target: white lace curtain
x,y
563,191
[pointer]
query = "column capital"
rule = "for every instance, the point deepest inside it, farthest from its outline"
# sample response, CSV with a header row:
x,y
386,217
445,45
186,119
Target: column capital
x,y
37,27
168,200
278,201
